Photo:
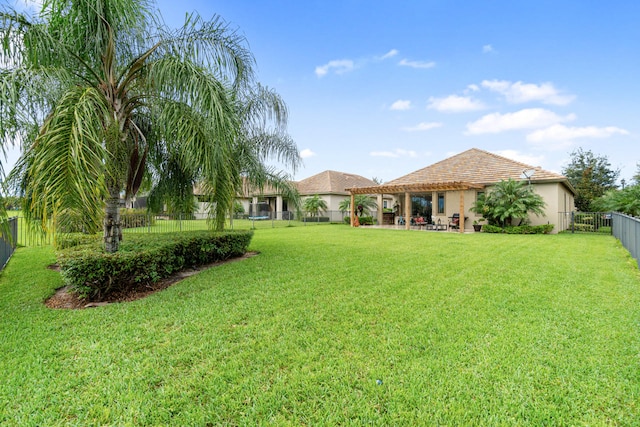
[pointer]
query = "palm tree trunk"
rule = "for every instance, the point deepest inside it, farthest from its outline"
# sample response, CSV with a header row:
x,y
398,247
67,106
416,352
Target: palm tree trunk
x,y
112,227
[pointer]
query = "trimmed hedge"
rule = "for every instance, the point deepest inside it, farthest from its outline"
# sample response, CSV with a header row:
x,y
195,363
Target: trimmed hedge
x,y
363,220
144,260
69,240
520,229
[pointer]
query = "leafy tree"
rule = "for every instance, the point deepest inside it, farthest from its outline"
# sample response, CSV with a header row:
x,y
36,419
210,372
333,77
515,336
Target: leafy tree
x,y
262,135
362,202
591,176
314,205
99,90
507,201
626,201
636,177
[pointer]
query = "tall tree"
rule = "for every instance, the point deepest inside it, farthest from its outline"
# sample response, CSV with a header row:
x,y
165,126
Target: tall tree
x,y
636,177
96,89
591,175
626,200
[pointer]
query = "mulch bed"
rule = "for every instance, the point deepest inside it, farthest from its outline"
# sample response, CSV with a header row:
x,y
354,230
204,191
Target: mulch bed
x,y
65,298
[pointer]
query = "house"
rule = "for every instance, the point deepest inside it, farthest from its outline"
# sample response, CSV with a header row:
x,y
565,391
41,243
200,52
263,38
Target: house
x,y
330,185
453,185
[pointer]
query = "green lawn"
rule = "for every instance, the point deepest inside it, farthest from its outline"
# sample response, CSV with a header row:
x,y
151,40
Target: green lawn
x,y
473,329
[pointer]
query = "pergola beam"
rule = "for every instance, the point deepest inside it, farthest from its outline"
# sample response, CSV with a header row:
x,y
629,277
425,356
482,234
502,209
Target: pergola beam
x,y
416,188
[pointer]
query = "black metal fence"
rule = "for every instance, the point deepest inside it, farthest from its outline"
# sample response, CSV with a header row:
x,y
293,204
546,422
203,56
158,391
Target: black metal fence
x,y
627,229
165,223
585,222
8,243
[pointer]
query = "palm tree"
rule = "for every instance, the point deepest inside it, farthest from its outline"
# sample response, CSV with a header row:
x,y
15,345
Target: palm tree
x,y
361,201
507,201
314,205
97,90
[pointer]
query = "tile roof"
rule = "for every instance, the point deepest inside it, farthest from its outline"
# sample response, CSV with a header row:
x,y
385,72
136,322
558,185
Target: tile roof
x,y
332,182
476,167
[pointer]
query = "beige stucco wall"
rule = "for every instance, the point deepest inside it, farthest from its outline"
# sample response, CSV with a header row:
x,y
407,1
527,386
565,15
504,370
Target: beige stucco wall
x,y
556,196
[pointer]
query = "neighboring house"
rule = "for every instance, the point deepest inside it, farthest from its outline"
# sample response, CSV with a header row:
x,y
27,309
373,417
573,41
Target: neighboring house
x,y
452,186
332,186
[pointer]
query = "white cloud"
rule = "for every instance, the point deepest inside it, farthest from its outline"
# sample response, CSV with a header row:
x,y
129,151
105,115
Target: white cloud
x,y
340,66
520,157
487,48
531,118
306,153
472,88
401,105
398,152
518,92
455,104
390,54
416,64
565,134
420,127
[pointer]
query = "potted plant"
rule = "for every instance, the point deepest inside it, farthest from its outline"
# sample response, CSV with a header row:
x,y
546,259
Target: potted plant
x,y
476,224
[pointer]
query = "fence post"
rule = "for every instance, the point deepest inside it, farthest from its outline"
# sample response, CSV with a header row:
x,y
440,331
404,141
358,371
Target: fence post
x,y
572,222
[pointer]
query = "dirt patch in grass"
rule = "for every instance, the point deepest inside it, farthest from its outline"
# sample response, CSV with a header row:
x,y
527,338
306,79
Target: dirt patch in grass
x,y
65,298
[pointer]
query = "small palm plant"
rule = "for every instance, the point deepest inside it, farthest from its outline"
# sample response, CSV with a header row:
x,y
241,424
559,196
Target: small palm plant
x,y
362,202
314,205
508,201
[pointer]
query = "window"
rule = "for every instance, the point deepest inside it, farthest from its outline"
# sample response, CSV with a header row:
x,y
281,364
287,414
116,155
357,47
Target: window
x,y
440,203
384,204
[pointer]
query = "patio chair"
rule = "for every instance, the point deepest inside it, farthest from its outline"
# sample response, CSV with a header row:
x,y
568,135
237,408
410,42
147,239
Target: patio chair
x,y
454,221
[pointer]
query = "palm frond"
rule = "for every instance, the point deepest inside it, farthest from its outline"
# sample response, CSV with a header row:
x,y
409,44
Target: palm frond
x,y
65,167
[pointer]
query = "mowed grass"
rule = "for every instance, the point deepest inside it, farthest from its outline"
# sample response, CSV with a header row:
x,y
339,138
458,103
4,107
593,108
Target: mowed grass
x,y
339,326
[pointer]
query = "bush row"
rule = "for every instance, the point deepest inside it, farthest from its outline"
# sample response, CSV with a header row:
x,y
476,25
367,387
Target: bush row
x,y
363,220
520,229
69,240
144,259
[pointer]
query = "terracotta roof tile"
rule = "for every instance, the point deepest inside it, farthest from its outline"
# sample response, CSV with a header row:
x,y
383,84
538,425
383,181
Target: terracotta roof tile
x,y
332,182
477,167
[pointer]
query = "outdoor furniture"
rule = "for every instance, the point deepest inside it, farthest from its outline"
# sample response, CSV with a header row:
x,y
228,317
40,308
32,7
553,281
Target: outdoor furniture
x,y
454,221
388,218
436,227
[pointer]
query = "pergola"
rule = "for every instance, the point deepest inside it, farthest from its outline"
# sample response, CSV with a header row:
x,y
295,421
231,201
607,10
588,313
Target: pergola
x,y
408,190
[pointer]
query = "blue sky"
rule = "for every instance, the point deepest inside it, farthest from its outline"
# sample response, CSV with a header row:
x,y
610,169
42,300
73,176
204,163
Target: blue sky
x,y
382,88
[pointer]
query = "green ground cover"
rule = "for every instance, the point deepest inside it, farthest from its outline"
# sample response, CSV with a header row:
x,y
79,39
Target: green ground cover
x,y
339,326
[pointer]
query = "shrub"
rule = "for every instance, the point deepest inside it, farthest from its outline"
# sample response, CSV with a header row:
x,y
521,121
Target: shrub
x,y
582,227
69,240
520,229
144,260
366,220
363,220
